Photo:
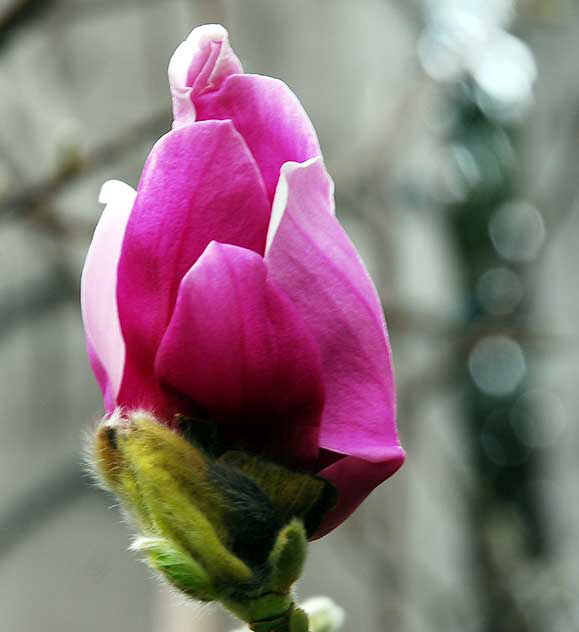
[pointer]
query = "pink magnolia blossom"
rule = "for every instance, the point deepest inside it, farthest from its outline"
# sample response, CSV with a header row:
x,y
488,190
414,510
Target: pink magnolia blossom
x,y
226,283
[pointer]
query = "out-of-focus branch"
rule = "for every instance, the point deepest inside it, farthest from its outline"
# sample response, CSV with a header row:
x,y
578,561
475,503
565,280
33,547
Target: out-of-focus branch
x,y
403,319
558,196
50,222
555,188
441,373
31,510
19,14
30,302
24,203
205,10
412,10
72,12
378,155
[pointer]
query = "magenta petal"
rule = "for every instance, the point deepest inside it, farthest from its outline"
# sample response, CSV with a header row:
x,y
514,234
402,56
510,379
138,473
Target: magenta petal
x,y
270,118
316,265
102,378
200,183
199,64
355,479
104,340
238,347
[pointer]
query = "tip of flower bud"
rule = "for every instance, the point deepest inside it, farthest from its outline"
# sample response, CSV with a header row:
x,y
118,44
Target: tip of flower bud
x,y
199,64
185,54
116,190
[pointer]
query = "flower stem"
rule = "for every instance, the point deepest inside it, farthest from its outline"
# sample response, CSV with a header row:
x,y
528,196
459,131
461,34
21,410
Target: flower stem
x,y
294,620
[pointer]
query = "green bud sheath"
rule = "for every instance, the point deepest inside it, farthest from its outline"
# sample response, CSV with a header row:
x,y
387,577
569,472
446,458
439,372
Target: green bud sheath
x,y
218,525
288,556
182,571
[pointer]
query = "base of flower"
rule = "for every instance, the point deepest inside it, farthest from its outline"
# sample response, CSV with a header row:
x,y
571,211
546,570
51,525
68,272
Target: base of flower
x,y
294,620
225,526
316,614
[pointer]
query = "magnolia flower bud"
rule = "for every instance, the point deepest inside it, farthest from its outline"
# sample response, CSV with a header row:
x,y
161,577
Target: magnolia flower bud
x,y
226,282
225,288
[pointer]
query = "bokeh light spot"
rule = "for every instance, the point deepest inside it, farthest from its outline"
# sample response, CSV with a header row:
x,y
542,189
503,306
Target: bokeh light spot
x,y
517,231
539,418
497,365
499,291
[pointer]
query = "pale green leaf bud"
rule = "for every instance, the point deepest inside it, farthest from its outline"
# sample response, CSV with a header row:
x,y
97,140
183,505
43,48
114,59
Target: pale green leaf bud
x,y
288,556
324,614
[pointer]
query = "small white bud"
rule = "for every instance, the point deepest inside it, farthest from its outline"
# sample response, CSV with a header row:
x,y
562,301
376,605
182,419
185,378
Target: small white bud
x,y
325,615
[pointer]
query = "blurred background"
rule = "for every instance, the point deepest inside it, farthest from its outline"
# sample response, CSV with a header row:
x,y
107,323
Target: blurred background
x,y
451,128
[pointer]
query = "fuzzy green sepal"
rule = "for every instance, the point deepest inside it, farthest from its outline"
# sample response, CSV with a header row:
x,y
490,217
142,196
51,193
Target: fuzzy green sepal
x,y
288,556
219,525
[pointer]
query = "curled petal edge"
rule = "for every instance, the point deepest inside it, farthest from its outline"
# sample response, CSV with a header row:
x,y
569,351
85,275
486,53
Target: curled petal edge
x,y
355,479
198,65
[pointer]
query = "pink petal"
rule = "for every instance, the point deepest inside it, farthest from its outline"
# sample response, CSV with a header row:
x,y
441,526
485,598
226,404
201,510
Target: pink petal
x,y
238,347
269,117
102,378
355,479
199,64
316,265
99,290
322,186
200,183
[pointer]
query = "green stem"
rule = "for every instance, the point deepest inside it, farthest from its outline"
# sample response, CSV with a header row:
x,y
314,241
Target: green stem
x,y
294,620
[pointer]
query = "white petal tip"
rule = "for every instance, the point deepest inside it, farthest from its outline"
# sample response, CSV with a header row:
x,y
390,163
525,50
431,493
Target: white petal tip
x,y
290,167
184,53
280,199
115,189
214,32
